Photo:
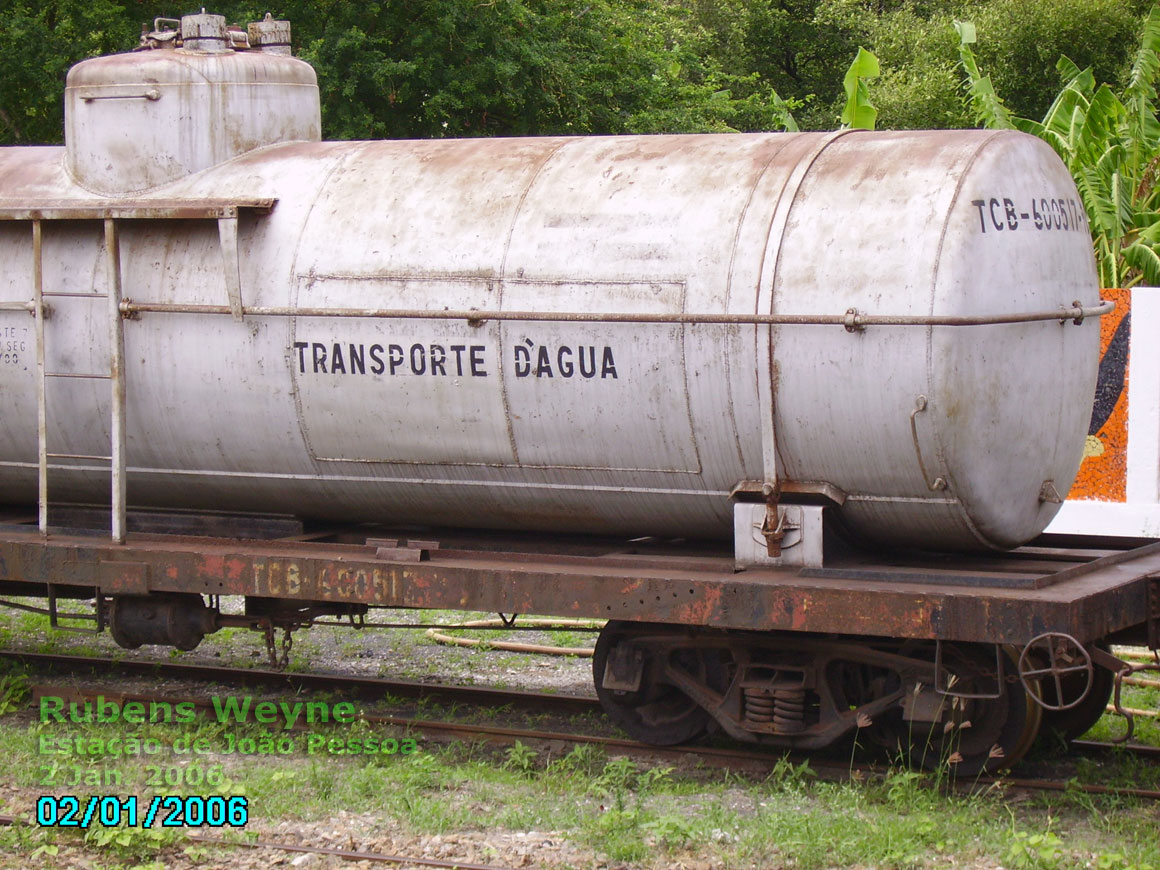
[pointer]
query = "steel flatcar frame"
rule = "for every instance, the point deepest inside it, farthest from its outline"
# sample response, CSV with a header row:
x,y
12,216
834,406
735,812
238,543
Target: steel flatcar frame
x,y
1001,599
901,629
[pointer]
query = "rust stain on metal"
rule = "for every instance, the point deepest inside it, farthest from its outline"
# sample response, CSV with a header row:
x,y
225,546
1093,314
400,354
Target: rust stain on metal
x,y
703,609
123,578
219,567
799,616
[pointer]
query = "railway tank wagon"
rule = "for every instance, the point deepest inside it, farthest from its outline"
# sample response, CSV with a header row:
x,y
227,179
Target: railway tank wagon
x,y
836,354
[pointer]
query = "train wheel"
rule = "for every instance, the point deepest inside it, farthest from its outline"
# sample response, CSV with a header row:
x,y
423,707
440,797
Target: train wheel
x,y
1076,721
656,712
979,735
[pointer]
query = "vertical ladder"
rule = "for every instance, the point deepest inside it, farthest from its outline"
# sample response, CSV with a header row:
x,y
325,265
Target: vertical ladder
x,y
223,211
115,376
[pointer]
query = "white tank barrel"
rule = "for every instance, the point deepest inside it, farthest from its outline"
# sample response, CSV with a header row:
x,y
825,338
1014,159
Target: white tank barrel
x,y
940,436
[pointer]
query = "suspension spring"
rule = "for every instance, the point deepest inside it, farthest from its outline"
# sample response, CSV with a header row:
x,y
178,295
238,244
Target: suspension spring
x,y
789,710
784,708
759,705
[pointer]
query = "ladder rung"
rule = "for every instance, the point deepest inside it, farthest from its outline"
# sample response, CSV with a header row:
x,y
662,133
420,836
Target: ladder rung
x,y
77,375
74,295
78,456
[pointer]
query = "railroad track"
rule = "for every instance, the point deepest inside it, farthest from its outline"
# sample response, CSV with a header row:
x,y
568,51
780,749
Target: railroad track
x,y
356,686
746,758
1140,749
377,688
750,759
345,854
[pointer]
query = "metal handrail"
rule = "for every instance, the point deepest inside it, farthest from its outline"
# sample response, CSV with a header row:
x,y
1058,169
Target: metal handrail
x,y
852,319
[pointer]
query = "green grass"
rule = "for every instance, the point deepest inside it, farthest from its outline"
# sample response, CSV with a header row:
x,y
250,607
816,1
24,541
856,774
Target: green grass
x,y
625,812
1146,730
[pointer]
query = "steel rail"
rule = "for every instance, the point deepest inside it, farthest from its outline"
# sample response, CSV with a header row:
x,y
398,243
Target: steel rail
x,y
852,320
345,854
362,686
757,759
1056,785
761,759
1140,749
377,686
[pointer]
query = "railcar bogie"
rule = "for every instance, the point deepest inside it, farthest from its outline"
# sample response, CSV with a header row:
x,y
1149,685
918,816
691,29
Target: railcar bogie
x,y
956,704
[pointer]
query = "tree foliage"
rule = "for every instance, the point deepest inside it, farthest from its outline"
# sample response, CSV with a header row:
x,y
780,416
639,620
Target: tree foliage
x,y
1020,42
429,68
801,54
39,42
919,85
1110,143
522,67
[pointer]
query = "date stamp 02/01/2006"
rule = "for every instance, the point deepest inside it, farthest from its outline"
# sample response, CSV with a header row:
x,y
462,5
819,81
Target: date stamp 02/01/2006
x,y
169,811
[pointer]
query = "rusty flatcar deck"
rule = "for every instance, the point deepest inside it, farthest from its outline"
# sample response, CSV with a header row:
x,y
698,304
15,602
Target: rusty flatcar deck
x,y
1089,594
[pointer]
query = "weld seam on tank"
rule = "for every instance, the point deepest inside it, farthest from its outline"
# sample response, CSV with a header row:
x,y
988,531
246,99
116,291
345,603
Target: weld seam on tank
x,y
936,435
727,356
339,166
516,213
766,298
797,178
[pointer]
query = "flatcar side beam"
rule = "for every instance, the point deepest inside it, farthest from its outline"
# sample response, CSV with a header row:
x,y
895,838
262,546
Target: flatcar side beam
x,y
696,591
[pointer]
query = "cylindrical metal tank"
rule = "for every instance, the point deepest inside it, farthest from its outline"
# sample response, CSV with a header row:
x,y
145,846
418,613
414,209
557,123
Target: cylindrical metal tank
x,y
603,427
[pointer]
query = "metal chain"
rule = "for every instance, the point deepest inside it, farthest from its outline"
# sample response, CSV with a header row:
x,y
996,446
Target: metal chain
x,y
278,661
268,631
287,643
